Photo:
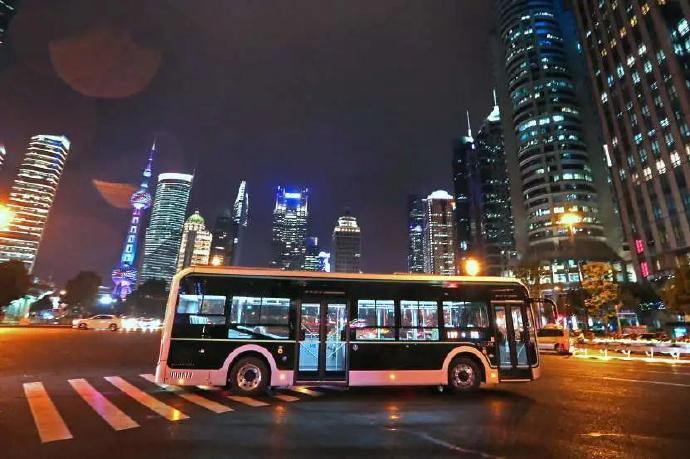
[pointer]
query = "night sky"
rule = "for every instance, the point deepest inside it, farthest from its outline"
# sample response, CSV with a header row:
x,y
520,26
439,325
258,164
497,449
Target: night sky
x,y
357,99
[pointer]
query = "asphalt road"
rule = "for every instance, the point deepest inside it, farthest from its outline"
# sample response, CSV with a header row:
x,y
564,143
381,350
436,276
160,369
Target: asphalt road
x,y
579,408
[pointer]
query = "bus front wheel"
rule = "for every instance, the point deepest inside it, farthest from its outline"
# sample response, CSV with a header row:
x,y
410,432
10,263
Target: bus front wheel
x,y
463,375
249,376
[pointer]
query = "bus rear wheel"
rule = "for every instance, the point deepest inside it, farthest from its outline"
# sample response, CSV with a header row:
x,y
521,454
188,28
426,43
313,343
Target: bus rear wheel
x,y
463,375
249,376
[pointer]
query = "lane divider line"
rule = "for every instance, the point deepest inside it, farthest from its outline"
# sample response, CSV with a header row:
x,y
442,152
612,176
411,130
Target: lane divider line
x,y
193,398
111,414
49,423
150,402
247,400
661,383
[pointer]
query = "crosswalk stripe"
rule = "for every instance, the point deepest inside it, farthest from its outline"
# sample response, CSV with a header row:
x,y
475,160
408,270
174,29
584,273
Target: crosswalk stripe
x,y
286,398
193,398
305,391
247,400
152,403
49,423
101,405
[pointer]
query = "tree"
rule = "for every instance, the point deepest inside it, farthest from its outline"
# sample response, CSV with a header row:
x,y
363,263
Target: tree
x,y
600,288
675,292
528,273
81,291
41,304
14,281
148,299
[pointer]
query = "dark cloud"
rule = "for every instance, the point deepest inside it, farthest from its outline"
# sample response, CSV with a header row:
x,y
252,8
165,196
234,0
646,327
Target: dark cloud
x,y
357,99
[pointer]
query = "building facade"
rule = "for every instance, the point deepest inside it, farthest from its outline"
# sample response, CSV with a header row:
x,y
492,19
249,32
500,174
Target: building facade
x,y
415,231
32,196
555,158
638,55
164,233
290,228
228,232
347,245
124,276
484,220
439,234
8,8
311,256
3,153
195,247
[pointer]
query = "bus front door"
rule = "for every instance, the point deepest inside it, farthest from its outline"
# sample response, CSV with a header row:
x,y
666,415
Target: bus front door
x,y
322,344
512,341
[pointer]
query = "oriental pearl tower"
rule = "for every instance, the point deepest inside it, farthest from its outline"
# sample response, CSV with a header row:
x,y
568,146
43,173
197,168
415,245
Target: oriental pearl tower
x,y
125,275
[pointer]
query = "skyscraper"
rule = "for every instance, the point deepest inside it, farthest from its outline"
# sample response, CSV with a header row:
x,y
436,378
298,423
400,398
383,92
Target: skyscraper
x,y
3,153
439,234
638,55
228,232
415,230
8,8
221,249
558,167
347,245
164,233
195,247
312,261
31,198
124,276
485,227
290,227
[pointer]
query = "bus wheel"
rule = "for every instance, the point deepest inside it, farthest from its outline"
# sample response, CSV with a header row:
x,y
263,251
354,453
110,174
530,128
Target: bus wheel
x,y
249,376
463,375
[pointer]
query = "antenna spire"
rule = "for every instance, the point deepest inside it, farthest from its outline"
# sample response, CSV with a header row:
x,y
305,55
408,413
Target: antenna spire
x,y
495,99
469,125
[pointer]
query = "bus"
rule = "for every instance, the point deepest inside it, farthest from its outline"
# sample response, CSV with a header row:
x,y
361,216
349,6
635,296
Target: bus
x,y
251,329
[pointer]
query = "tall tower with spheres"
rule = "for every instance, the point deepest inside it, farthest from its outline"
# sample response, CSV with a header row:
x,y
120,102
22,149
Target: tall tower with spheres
x,y
124,276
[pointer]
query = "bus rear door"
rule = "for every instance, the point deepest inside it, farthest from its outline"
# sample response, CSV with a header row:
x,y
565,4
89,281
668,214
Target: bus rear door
x,y
514,344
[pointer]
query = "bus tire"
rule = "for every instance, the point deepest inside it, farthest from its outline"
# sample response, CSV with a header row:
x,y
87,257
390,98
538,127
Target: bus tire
x,y
249,376
463,375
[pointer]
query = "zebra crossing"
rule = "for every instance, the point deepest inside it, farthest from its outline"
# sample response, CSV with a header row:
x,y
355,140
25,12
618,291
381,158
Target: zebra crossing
x,y
53,426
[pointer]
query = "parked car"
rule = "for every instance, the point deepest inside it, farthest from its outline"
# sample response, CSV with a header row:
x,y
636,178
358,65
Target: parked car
x,y
148,323
99,322
554,338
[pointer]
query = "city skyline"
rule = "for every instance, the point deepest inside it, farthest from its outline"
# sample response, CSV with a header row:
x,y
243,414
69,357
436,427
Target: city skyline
x,y
341,142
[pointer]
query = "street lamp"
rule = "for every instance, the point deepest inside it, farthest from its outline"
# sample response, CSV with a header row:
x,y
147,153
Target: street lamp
x,y
6,217
471,267
570,219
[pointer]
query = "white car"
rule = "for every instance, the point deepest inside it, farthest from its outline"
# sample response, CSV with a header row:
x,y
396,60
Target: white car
x,y
554,338
101,322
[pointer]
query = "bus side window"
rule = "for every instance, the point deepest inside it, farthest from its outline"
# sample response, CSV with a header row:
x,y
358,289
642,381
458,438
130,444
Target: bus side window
x,y
464,319
418,321
375,320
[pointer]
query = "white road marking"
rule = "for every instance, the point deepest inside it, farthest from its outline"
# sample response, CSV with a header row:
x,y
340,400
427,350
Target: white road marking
x,y
155,405
662,383
49,423
101,405
445,444
247,400
193,398
286,398
305,391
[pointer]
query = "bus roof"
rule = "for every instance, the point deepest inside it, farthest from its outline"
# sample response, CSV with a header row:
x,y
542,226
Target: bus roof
x,y
268,272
